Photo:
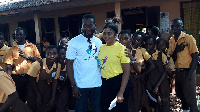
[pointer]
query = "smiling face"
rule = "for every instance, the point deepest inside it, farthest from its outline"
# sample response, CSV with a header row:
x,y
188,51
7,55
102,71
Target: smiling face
x,y
161,46
109,36
150,45
88,27
125,40
51,55
137,40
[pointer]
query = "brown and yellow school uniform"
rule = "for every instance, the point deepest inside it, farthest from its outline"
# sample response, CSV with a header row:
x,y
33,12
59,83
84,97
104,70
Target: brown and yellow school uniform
x,y
44,78
7,86
21,65
63,91
185,86
138,93
3,52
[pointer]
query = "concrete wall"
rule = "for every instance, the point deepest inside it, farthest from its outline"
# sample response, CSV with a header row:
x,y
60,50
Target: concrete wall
x,y
99,11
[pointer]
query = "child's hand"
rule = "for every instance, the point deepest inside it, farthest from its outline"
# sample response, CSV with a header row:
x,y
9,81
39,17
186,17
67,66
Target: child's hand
x,y
51,103
76,92
120,97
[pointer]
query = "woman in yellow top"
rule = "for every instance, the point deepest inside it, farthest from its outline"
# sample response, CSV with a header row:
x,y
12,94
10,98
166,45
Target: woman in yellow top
x,y
115,71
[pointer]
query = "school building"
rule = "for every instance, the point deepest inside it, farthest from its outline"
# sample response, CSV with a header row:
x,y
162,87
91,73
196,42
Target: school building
x,y
56,18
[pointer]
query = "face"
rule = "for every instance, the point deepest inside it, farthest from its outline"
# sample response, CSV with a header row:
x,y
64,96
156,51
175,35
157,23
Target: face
x,y
176,27
88,27
2,41
161,45
109,36
149,45
51,55
64,42
137,40
125,39
61,55
19,35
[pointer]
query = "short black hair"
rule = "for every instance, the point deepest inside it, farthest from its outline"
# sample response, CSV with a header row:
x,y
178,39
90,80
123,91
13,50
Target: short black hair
x,y
20,28
89,16
51,47
149,37
155,30
1,34
162,39
61,47
177,19
139,33
126,32
61,39
112,26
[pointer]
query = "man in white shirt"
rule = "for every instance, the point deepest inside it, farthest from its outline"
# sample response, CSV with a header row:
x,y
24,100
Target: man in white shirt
x,y
82,66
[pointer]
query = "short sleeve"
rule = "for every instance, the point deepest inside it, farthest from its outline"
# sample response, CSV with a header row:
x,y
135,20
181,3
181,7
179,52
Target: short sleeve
x,y
145,54
58,71
6,85
123,57
34,69
9,57
36,52
71,51
192,45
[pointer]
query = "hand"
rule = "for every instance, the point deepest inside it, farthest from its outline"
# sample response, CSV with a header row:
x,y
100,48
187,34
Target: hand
x,y
22,54
120,97
129,54
180,47
76,92
155,89
51,102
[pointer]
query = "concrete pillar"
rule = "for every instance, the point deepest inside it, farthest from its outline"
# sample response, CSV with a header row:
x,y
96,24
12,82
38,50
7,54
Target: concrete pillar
x,y
37,28
118,13
12,27
57,29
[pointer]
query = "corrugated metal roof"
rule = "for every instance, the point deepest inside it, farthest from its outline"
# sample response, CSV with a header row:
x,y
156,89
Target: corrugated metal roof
x,y
20,4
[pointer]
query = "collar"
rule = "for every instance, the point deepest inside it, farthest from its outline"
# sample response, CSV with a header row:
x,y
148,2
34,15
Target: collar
x,y
3,48
182,35
26,44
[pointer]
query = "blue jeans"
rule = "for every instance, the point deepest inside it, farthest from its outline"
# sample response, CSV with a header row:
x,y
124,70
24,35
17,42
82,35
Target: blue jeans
x,y
94,94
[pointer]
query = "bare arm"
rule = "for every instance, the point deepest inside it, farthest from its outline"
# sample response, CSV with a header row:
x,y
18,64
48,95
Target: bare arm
x,y
150,67
9,102
53,95
125,78
193,64
70,72
9,69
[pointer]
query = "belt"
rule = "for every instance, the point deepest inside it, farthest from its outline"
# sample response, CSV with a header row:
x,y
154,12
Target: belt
x,y
21,75
182,69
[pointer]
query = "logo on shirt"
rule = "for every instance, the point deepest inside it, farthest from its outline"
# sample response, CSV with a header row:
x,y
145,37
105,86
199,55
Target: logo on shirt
x,y
102,62
61,78
91,51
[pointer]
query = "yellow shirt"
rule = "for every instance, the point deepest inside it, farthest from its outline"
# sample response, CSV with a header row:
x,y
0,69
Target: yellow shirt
x,y
7,86
3,52
110,59
34,70
21,64
154,56
184,57
140,55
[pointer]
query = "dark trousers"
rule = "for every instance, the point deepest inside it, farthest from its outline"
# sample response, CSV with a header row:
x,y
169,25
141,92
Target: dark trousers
x,y
94,94
109,90
186,90
21,83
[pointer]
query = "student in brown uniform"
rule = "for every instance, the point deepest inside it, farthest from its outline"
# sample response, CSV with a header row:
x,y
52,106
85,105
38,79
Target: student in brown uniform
x,y
8,94
44,75
3,51
62,93
138,99
157,83
183,49
20,57
45,44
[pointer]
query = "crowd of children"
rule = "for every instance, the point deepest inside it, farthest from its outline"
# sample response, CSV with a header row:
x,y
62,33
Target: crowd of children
x,y
136,70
